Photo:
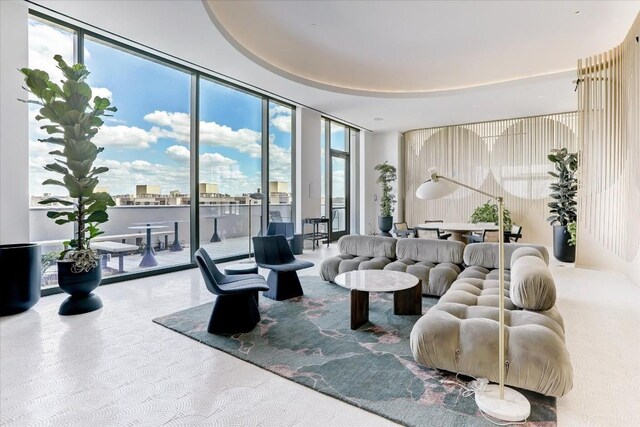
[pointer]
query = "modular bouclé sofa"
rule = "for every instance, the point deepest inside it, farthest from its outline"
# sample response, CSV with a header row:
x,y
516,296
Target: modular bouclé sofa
x,y
436,263
460,333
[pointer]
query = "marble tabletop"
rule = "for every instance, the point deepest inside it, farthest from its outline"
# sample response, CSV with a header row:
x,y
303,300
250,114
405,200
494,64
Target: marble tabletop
x,y
376,280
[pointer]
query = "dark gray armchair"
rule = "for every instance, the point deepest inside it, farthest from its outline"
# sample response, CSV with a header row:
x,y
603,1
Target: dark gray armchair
x,y
274,253
236,307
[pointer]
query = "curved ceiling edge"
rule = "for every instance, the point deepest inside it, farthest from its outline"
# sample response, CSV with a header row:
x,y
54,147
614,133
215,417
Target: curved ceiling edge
x,y
373,93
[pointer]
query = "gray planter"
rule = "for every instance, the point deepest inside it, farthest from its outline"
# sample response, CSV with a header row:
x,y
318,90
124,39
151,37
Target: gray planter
x,y
385,223
21,277
561,248
79,286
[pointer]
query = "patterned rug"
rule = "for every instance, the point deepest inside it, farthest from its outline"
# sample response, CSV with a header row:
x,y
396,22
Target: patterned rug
x,y
308,340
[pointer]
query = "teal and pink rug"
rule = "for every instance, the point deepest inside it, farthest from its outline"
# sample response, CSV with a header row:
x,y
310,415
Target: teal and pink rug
x,y
308,340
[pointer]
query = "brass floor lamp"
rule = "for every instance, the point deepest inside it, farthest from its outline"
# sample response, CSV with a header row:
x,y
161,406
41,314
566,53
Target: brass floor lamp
x,y
496,400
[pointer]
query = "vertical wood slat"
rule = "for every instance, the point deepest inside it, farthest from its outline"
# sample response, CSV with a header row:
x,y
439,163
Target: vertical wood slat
x,y
609,119
507,157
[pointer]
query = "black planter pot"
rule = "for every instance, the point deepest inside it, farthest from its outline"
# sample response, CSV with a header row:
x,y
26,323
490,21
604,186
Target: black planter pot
x,y
20,278
561,249
79,287
385,223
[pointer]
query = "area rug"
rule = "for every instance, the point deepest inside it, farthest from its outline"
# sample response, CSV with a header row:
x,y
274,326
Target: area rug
x,y
308,340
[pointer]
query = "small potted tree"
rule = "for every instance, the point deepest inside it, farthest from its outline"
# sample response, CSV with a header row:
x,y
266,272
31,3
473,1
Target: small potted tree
x,y
563,206
73,120
387,175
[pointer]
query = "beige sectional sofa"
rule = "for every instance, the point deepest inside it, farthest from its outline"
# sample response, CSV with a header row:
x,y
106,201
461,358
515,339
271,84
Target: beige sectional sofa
x,y
460,333
436,263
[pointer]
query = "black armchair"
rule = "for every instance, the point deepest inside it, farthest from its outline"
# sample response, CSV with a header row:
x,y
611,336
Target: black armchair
x,y
274,253
441,235
236,306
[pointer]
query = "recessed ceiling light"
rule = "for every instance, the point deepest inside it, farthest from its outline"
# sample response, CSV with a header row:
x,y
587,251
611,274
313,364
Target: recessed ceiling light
x,y
378,119
577,12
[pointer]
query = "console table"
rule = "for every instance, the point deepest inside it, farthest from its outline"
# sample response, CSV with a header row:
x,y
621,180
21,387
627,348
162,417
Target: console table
x,y
317,234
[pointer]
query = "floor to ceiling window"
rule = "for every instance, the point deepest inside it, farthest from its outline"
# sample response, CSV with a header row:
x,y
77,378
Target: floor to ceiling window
x,y
280,170
230,161
243,147
335,180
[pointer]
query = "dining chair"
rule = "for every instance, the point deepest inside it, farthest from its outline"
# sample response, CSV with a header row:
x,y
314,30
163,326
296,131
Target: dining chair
x,y
441,235
402,230
514,234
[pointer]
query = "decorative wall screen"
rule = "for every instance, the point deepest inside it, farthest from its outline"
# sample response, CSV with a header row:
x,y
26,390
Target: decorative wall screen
x,y
503,157
609,113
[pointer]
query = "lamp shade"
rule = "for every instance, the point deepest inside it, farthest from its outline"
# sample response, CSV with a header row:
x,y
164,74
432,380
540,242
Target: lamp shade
x,y
258,196
432,189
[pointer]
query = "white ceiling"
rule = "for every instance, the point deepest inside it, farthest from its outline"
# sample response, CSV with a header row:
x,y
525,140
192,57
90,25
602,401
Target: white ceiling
x,y
185,29
399,47
417,64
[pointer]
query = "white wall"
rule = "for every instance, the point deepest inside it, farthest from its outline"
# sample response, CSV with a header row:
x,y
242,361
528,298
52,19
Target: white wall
x,y
378,148
14,131
307,164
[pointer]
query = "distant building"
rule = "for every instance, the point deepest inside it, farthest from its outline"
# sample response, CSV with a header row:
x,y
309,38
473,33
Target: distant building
x,y
147,190
279,193
207,188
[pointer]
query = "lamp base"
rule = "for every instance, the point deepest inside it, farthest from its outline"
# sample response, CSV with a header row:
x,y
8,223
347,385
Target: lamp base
x,y
514,406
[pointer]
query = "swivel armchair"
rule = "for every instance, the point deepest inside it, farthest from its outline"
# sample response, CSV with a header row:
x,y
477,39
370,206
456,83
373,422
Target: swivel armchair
x,y
236,307
274,253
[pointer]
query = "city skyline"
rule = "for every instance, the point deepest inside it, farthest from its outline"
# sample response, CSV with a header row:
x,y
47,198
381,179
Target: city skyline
x,y
148,138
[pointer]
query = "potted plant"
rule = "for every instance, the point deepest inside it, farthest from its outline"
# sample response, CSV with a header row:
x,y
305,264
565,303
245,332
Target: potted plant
x,y
74,118
563,206
488,212
20,279
387,174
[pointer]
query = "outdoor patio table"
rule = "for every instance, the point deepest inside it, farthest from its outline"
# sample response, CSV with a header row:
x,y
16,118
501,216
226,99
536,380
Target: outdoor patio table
x,y
176,246
148,259
215,237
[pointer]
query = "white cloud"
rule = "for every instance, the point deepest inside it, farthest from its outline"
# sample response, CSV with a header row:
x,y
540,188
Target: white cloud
x,y
46,41
121,136
280,118
178,152
177,126
102,92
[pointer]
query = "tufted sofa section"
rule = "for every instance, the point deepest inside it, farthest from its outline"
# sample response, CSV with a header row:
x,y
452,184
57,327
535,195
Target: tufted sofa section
x,y
460,333
359,252
437,263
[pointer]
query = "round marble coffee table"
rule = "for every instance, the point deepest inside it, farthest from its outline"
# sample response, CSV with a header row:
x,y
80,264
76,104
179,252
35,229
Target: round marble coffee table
x,y
406,288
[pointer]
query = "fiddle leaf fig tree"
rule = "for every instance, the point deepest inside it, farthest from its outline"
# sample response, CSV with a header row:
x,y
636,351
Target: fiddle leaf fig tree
x,y
72,119
564,190
387,175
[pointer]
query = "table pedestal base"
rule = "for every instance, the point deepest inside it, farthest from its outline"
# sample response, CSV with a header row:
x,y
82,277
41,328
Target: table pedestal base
x,y
359,308
406,302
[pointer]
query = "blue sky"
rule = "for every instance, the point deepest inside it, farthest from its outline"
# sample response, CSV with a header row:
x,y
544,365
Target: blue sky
x,y
147,140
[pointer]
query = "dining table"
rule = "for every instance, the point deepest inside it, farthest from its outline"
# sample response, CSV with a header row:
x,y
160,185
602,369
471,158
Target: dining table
x,y
457,229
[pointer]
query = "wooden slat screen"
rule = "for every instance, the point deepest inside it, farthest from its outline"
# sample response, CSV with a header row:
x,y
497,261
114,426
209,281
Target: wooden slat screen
x,y
502,157
609,131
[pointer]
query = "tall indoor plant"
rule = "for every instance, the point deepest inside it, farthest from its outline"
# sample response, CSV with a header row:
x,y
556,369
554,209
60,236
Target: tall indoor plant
x,y
563,206
73,120
386,175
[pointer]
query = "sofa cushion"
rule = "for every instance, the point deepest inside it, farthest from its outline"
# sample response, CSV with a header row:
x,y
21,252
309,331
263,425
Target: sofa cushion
x,y
486,254
464,339
369,246
532,286
525,251
431,250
